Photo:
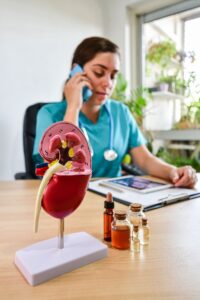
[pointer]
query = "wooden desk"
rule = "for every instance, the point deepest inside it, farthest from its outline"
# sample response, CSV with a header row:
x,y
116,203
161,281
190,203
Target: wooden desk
x,y
169,268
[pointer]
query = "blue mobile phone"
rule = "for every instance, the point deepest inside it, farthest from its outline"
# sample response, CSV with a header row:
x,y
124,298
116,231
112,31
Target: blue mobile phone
x,y
87,93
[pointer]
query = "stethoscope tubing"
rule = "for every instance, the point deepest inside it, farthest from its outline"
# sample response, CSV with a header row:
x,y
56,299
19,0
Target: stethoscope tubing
x,y
111,137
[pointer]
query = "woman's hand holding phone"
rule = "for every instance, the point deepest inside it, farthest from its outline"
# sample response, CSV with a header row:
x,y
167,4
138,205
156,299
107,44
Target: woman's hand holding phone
x,y
77,88
74,93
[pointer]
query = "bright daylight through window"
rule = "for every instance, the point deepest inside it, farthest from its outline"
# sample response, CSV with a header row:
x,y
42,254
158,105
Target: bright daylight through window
x,y
172,60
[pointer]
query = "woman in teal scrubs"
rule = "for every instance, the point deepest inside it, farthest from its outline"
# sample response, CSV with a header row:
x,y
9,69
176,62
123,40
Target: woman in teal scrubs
x,y
110,127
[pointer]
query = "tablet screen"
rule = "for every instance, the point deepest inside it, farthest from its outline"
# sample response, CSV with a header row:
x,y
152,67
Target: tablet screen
x,y
138,183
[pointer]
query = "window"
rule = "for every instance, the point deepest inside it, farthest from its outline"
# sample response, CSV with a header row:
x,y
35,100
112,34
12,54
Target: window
x,y
173,23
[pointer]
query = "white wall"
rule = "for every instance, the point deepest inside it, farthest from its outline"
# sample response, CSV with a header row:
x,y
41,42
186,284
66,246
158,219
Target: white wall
x,y
37,38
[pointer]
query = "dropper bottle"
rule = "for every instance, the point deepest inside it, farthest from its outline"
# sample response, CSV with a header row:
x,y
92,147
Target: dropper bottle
x,y
108,216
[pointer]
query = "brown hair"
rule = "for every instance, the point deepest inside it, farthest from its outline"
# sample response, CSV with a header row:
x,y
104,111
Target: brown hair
x,y
91,46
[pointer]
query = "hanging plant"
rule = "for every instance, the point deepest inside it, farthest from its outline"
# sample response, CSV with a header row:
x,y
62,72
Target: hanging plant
x,y
161,53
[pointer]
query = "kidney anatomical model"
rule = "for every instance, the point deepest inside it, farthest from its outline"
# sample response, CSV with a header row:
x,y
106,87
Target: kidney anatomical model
x,y
65,182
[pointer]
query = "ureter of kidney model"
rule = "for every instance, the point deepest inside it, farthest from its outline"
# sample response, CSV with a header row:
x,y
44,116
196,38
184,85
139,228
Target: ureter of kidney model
x,y
45,180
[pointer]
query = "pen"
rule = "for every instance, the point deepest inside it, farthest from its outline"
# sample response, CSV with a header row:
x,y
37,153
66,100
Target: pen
x,y
111,187
172,201
182,198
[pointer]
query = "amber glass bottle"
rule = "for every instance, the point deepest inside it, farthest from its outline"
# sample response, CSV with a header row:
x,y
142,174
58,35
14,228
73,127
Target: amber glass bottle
x,y
108,217
120,231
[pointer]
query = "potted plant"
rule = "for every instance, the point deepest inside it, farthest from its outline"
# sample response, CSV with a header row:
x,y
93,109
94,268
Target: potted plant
x,y
161,55
136,100
191,118
168,66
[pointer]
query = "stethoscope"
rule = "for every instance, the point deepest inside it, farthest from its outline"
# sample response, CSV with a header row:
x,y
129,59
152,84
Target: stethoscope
x,y
109,154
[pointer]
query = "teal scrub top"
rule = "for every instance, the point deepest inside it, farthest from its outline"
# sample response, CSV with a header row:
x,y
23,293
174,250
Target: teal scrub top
x,y
126,134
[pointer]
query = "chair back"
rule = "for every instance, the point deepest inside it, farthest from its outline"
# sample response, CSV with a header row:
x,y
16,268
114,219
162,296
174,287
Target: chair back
x,y
29,131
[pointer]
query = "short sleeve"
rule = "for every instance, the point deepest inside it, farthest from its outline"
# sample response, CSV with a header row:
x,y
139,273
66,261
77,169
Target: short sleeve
x,y
136,137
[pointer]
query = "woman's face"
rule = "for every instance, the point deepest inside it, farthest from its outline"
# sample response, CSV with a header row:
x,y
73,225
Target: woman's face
x,y
102,72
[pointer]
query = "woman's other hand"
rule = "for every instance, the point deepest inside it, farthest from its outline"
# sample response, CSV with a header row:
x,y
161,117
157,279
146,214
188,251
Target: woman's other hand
x,y
183,177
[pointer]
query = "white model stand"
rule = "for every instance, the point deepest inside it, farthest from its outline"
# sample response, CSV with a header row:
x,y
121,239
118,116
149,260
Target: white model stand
x,y
43,261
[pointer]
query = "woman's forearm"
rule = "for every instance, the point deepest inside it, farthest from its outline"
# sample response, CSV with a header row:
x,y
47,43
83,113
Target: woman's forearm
x,y
158,168
71,115
151,164
181,177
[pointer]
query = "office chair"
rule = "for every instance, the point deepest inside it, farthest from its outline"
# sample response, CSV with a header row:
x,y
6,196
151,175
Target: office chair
x,y
29,128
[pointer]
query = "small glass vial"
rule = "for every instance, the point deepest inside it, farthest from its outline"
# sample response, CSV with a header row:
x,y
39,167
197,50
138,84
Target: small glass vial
x,y
120,231
135,244
135,215
108,217
144,232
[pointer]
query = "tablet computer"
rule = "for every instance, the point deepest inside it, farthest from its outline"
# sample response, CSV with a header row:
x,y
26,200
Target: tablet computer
x,y
139,184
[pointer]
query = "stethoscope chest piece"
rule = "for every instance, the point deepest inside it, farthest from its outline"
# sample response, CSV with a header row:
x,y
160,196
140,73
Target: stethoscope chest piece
x,y
110,155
